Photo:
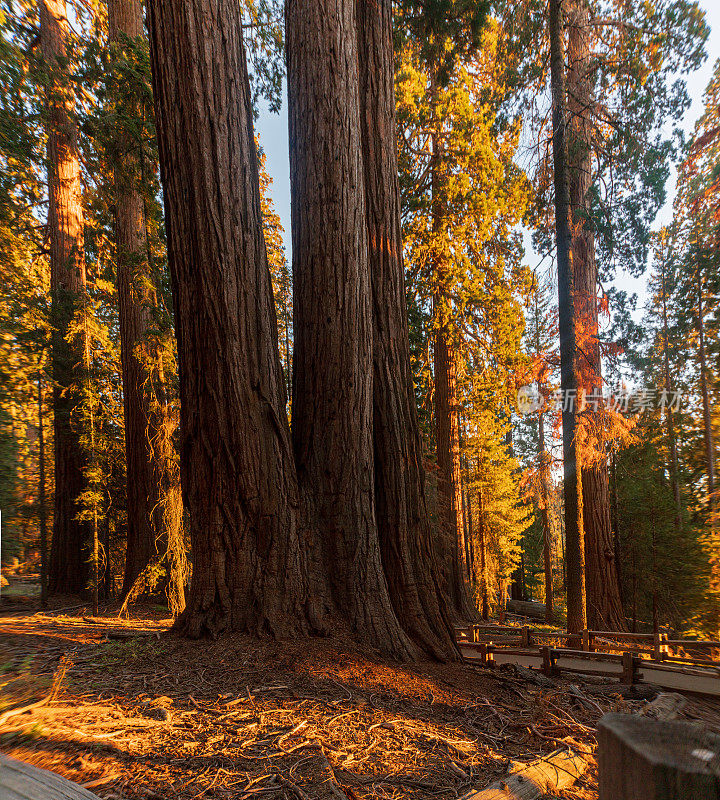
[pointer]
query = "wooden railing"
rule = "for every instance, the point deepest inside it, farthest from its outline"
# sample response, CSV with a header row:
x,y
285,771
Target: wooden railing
x,y
630,657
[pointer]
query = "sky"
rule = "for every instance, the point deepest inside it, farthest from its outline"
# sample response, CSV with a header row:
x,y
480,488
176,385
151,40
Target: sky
x,y
272,130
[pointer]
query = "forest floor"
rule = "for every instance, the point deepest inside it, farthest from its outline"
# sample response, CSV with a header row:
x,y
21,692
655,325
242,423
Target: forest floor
x,y
153,716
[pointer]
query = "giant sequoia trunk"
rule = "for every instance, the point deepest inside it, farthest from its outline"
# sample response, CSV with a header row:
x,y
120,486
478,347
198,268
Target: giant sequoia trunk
x,y
572,484
410,564
237,474
154,510
604,606
67,572
333,364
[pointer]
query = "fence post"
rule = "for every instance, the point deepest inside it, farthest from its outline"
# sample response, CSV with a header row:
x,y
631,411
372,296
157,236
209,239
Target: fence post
x,y
548,666
646,759
660,649
628,665
586,645
525,636
487,653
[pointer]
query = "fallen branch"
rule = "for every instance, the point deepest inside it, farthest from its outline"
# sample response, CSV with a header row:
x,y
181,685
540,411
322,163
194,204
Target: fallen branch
x,y
667,705
531,781
65,663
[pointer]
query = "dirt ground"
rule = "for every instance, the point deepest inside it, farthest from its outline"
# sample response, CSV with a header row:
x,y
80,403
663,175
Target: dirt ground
x,y
154,716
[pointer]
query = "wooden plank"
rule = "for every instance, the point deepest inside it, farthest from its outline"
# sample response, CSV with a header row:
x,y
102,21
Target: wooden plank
x,y
531,781
567,652
21,781
682,681
699,643
622,636
647,759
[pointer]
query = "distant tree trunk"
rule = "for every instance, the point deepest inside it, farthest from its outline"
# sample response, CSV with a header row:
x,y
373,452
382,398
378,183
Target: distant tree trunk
x,y
447,440
604,607
572,484
238,478
468,535
485,603
669,420
545,517
707,422
68,569
616,523
447,422
411,566
333,325
107,575
147,420
41,496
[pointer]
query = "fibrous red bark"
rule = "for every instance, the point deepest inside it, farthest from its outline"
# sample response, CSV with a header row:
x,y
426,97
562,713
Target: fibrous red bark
x,y
153,504
604,606
332,367
237,473
68,569
411,567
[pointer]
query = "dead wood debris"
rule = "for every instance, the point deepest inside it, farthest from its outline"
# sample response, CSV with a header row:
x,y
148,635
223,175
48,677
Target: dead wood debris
x,y
159,718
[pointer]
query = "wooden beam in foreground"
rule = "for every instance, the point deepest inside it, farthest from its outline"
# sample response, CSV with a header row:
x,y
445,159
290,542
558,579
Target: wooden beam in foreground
x,y
21,781
531,781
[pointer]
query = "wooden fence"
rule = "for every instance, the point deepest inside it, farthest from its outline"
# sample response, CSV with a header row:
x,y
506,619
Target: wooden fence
x,y
678,664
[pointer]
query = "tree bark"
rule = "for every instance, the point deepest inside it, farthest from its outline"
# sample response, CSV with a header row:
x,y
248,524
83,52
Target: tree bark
x,y
144,512
707,422
411,567
545,518
148,426
238,480
447,439
333,364
484,599
604,607
669,420
572,485
41,495
67,571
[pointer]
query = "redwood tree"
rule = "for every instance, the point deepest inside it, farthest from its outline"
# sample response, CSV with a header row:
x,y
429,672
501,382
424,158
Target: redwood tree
x,y
446,407
154,509
333,326
237,474
67,572
572,484
604,606
410,564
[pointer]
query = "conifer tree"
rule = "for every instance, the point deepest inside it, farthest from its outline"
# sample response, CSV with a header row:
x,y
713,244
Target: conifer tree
x,y
68,571
402,516
332,369
569,380
236,460
462,194
154,505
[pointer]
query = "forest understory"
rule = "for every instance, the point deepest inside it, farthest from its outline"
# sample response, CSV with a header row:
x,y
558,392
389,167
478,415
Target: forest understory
x,y
136,712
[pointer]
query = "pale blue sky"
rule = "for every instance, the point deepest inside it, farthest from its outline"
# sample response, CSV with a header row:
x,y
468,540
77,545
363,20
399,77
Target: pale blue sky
x,y
273,132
